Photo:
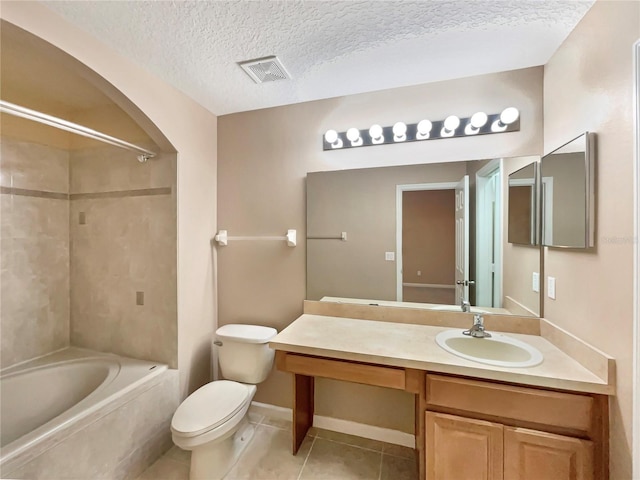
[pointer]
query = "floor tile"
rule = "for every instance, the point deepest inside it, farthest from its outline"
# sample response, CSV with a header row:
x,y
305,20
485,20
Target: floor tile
x,y
268,457
277,422
179,455
349,439
332,461
166,469
398,468
399,451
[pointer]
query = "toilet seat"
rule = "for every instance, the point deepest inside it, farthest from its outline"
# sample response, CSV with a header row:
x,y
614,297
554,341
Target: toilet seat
x,y
211,406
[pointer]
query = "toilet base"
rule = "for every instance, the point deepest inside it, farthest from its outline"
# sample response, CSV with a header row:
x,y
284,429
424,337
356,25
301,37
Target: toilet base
x,y
214,460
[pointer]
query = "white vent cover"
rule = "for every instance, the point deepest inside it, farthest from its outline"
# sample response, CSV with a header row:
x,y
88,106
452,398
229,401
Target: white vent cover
x,y
267,69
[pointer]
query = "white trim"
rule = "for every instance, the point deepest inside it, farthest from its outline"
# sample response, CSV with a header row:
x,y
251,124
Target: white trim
x,y
371,432
428,285
414,187
483,251
387,435
636,267
547,209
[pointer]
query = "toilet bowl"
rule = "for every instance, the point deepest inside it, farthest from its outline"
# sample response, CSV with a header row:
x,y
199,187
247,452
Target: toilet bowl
x,y
212,422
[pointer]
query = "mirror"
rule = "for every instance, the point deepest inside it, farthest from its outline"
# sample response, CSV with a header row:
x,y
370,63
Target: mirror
x,y
522,206
567,187
428,236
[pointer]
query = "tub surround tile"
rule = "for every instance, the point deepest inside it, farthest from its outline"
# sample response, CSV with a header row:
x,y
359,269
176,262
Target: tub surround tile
x,y
140,459
31,166
145,192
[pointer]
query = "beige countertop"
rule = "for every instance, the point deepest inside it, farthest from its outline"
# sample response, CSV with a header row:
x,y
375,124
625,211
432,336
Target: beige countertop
x,y
414,346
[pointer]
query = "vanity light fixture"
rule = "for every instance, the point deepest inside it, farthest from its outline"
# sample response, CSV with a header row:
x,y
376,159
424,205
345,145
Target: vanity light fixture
x,y
451,124
353,135
377,134
333,139
475,123
508,116
399,132
424,129
480,123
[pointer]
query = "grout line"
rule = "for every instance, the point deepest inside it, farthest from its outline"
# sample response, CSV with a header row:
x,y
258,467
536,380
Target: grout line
x,y
304,464
350,445
380,468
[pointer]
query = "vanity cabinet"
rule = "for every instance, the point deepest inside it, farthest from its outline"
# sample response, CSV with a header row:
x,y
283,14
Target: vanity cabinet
x,y
458,447
492,431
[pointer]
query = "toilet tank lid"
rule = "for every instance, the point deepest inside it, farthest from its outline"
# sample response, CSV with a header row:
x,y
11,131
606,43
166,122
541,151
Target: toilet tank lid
x,y
246,333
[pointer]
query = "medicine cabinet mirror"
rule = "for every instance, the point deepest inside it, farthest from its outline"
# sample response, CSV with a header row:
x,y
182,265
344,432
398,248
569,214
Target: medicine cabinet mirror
x,y
567,187
421,236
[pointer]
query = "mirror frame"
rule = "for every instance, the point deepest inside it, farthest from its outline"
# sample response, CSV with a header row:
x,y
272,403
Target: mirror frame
x,y
590,207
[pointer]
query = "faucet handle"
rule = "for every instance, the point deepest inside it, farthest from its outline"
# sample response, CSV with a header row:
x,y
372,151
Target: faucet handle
x,y
478,320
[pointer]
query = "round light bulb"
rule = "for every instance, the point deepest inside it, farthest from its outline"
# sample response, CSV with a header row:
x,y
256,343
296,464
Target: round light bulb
x,y
424,127
451,122
375,131
331,136
509,115
399,129
353,134
479,119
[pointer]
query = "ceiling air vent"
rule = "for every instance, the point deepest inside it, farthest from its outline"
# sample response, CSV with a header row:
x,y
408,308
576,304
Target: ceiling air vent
x,y
267,69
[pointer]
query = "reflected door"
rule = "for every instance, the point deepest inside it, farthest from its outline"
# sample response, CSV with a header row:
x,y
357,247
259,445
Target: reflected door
x,y
462,240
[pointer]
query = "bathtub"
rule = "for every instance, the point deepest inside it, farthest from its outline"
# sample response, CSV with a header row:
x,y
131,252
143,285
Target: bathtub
x,y
44,400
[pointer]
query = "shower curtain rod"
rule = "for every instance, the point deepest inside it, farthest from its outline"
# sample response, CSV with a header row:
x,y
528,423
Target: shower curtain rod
x,y
18,111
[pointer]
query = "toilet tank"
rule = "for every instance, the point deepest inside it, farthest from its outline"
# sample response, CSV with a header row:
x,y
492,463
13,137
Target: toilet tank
x,y
244,355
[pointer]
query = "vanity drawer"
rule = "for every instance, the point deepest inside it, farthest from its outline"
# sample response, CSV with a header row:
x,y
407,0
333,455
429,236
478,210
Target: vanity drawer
x,y
368,374
508,402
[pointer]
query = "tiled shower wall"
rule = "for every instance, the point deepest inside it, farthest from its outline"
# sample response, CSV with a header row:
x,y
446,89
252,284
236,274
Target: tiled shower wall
x,y
34,246
123,254
88,247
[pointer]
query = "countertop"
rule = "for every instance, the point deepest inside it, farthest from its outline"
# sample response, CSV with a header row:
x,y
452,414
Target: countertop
x,y
414,346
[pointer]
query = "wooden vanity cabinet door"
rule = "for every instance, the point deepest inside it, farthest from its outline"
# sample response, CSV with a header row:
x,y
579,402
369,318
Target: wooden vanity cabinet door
x,y
463,448
533,455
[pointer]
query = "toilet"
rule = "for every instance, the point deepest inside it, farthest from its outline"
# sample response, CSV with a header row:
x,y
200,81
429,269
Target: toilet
x,y
212,422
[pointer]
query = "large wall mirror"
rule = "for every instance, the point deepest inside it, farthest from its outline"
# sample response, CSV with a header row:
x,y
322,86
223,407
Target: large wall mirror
x,y
567,188
429,236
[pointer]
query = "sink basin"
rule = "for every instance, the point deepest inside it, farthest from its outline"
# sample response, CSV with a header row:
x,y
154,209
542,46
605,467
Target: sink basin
x,y
499,350
456,308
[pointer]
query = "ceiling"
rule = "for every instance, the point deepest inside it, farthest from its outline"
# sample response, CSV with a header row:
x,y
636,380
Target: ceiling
x,y
331,48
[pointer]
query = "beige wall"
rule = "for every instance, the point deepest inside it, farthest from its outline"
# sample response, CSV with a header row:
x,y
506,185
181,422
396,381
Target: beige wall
x,y
125,245
173,121
264,157
34,245
588,86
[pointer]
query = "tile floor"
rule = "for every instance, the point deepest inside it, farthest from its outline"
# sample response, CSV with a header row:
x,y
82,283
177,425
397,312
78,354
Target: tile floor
x,y
324,455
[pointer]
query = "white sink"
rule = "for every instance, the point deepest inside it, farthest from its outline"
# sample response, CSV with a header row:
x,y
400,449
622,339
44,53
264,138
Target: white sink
x,y
499,350
457,308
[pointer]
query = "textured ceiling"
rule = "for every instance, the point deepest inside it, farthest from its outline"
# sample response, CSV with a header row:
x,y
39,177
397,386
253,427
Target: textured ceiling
x,y
331,48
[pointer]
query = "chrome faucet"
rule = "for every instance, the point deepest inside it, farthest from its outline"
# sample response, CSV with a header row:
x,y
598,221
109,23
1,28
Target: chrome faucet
x,y
477,331
465,305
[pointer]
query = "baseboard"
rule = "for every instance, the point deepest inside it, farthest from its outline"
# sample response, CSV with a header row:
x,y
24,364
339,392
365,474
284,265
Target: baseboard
x,y
388,435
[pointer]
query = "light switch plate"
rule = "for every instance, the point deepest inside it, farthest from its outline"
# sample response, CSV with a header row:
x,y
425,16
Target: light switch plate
x,y
551,287
389,256
535,282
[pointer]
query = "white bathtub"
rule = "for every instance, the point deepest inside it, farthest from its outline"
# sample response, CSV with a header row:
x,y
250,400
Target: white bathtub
x,y
46,399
